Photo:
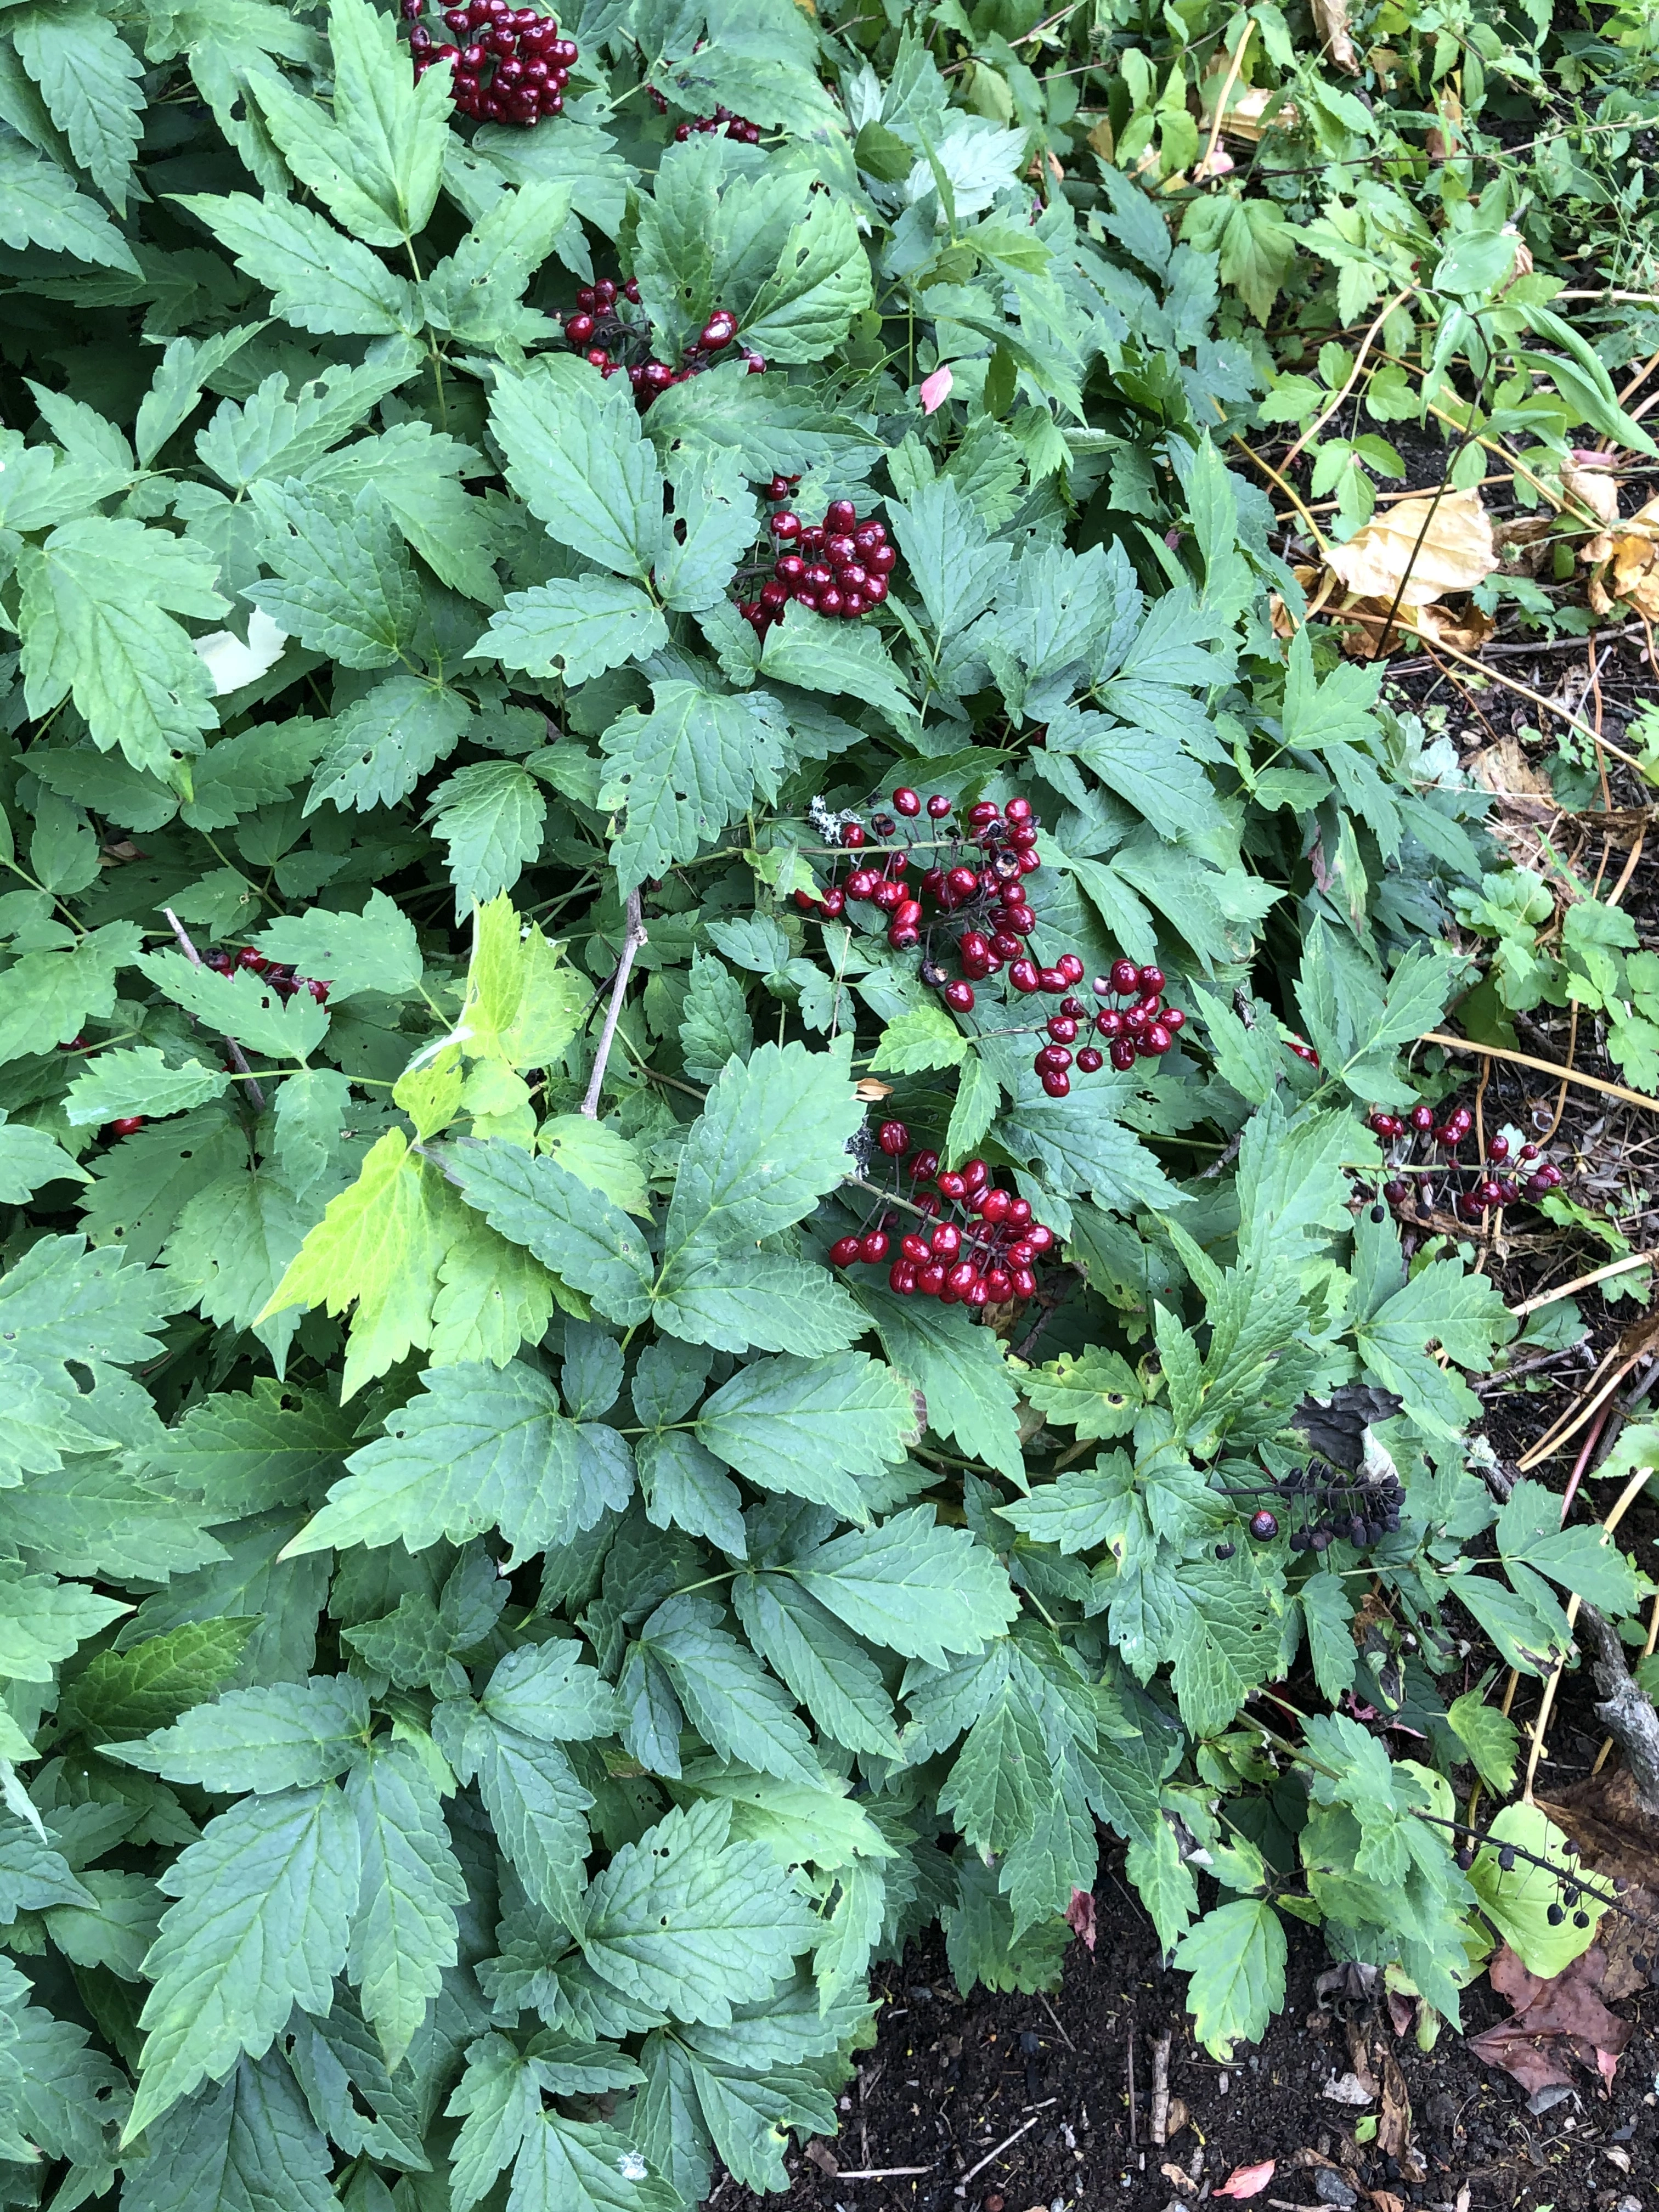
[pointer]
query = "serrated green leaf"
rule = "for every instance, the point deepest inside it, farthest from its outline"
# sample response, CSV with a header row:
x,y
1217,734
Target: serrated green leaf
x,y
40,206
224,2150
318,279
1236,1956
576,457
490,815
483,1449
343,585
88,78
137,1081
404,1933
242,1005
584,1236
911,1586
574,626
685,770
685,1920
285,1737
260,1925
806,1427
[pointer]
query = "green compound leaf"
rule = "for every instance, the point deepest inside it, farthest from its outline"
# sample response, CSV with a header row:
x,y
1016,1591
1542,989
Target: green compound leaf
x,y
485,1448
1235,1955
689,1922
264,1902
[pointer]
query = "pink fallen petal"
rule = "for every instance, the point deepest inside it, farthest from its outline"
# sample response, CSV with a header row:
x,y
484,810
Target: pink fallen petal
x,y
1248,2180
1080,1913
1590,457
936,389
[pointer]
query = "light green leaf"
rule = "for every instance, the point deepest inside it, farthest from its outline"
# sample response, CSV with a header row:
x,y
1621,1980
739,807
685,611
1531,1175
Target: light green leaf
x,y
490,815
574,626
89,79
576,455
138,1081
373,951
385,742
1236,1956
821,281
544,1691
1489,1737
1517,1901
343,585
838,658
403,1932
685,770
689,1923
484,1448
771,1141
241,1004
570,1225
97,601
318,280
911,1586
923,1038
40,206
715,510
807,1426
285,1737
263,1905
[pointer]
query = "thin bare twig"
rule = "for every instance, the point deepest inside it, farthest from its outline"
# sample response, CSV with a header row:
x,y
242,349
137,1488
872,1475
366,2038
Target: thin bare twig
x,y
961,2186
632,938
238,1057
1544,1066
1582,1282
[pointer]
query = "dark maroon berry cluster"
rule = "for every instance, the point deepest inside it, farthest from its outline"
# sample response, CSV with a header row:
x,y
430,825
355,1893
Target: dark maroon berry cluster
x,y
734,126
1470,1190
980,1249
599,330
972,902
839,567
1327,1503
284,980
511,67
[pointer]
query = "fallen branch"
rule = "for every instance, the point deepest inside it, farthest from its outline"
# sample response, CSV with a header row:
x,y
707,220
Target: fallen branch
x,y
1582,1282
961,2186
1626,1711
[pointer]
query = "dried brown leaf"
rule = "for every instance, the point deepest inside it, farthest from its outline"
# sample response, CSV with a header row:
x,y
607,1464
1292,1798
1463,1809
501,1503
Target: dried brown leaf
x,y
1331,23
1418,549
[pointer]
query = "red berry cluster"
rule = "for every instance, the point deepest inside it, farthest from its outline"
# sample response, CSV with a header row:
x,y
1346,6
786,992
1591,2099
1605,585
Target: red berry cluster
x,y
597,329
735,126
839,567
529,65
282,981
979,907
1470,1190
980,1249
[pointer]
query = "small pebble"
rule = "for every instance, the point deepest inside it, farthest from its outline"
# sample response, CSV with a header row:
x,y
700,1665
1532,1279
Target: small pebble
x,y
1331,2189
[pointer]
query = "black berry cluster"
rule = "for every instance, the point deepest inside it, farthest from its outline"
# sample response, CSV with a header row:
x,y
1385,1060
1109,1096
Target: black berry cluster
x,y
973,902
734,126
600,330
511,67
1326,1503
980,1249
838,566
284,980
1470,1190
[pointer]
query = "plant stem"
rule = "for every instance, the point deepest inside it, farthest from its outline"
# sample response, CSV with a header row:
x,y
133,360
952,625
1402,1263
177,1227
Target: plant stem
x,y
632,938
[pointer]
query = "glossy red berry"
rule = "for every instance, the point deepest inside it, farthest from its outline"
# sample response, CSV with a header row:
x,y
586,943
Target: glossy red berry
x,y
872,1246
255,961
1023,975
844,1251
906,801
1122,1053
786,526
946,1241
852,834
938,806
1051,979
1018,809
953,1186
1062,1029
959,997
921,1165
893,1138
994,1205
841,514
1089,1060
127,1125
1056,1083
1125,977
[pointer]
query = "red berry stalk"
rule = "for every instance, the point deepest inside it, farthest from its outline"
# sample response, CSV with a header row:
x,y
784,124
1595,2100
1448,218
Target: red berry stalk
x,y
284,980
839,567
973,902
734,126
511,67
606,338
1470,1190
982,1247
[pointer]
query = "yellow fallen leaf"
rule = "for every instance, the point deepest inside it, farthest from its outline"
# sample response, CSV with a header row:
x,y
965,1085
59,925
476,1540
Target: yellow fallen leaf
x,y
1596,490
1418,549
1250,113
1466,632
1632,572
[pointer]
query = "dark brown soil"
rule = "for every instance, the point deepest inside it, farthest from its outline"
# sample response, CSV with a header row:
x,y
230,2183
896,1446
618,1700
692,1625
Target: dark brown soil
x,y
949,2080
